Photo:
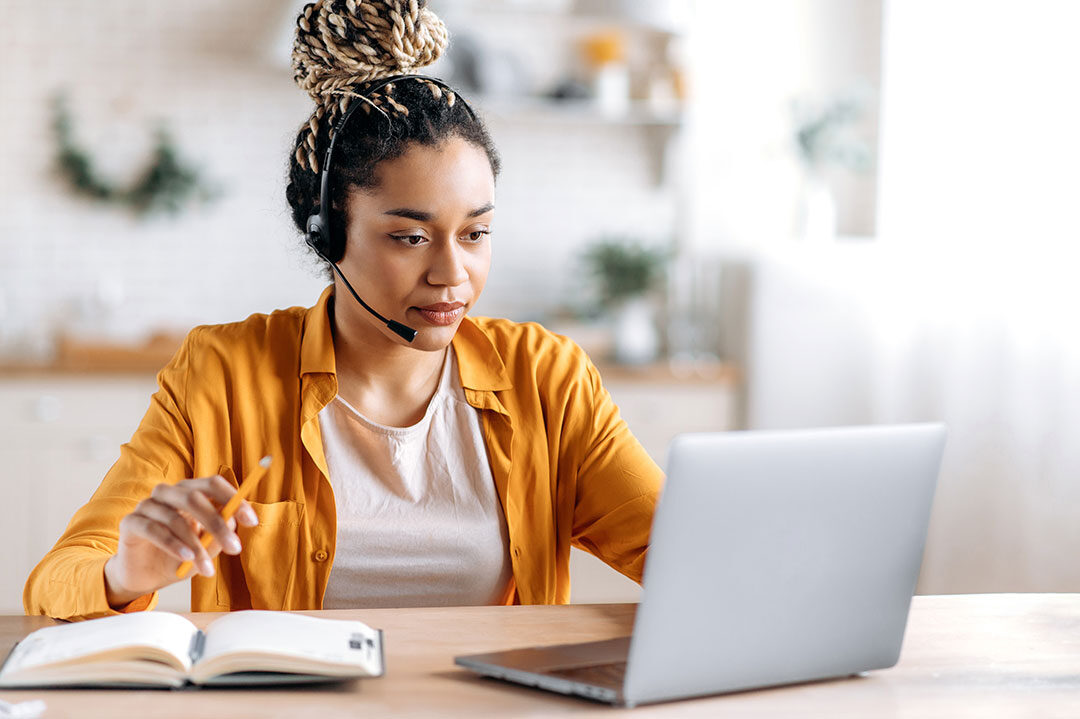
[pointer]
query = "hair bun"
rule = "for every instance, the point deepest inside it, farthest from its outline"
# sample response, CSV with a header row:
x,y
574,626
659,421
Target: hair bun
x,y
341,43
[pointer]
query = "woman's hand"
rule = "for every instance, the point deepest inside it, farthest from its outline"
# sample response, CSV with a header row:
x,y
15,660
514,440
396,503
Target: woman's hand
x,y
163,532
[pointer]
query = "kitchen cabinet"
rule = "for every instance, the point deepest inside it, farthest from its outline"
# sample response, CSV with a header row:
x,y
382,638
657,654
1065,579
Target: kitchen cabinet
x,y
59,434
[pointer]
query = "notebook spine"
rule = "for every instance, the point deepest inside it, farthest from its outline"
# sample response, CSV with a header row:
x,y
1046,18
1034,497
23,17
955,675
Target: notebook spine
x,y
382,654
198,643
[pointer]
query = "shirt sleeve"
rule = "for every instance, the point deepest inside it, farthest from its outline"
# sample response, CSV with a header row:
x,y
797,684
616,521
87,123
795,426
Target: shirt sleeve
x,y
618,486
69,582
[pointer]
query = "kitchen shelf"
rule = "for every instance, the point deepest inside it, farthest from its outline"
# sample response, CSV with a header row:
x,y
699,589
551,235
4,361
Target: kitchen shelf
x,y
568,17
535,109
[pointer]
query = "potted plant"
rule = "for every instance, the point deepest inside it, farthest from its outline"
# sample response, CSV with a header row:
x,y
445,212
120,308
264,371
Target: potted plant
x,y
624,271
825,137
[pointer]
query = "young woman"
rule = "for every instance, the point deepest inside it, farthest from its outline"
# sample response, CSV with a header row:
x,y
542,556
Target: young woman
x,y
454,467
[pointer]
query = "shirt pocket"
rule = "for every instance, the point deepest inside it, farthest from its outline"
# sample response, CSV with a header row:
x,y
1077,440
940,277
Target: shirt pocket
x,y
269,552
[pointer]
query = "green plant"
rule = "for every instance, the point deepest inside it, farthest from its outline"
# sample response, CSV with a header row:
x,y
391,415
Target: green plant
x,y
167,184
824,135
623,269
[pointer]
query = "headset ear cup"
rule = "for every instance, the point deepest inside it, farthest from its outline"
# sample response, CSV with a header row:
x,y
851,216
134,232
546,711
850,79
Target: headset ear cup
x,y
316,235
326,247
335,242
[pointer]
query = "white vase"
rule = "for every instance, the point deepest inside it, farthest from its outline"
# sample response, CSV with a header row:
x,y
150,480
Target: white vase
x,y
818,211
636,338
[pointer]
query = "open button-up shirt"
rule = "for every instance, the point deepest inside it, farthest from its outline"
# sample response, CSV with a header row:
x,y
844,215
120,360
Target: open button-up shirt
x,y
566,467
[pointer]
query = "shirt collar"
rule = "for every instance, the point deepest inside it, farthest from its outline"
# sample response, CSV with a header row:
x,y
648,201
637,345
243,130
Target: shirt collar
x,y
479,362
317,341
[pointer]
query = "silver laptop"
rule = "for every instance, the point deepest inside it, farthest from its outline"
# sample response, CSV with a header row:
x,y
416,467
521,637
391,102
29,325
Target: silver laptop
x,y
775,558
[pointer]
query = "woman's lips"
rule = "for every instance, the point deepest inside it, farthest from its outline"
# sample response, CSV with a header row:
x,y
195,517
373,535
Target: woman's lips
x,y
442,313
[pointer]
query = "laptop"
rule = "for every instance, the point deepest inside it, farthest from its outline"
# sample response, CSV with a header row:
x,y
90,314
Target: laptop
x,y
776,557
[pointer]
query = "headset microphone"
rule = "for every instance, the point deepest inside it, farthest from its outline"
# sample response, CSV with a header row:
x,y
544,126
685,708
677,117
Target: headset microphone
x,y
406,333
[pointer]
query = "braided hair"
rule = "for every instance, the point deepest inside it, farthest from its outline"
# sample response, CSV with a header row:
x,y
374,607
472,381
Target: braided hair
x,y
343,48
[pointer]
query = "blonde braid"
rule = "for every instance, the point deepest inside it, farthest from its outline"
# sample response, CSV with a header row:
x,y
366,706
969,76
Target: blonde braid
x,y
436,91
341,44
395,107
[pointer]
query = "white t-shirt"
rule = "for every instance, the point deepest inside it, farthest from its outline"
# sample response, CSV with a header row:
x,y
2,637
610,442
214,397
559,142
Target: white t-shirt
x,y
418,519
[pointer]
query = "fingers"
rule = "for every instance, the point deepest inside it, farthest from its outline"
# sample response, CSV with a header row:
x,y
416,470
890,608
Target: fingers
x,y
247,515
219,489
169,523
179,528
157,534
207,513
191,497
214,548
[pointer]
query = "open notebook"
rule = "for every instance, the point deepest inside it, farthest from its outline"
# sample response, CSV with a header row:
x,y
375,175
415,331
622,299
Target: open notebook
x,y
161,649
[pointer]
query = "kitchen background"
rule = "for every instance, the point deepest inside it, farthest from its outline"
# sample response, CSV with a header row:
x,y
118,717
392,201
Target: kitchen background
x,y
852,211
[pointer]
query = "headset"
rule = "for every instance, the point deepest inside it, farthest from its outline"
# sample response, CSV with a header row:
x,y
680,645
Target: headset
x,y
318,235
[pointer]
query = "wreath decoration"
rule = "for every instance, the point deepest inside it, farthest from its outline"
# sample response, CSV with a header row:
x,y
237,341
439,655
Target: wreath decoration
x,y
168,184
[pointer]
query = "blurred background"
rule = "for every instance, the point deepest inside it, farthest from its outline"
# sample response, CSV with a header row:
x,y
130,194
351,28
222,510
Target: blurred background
x,y
785,213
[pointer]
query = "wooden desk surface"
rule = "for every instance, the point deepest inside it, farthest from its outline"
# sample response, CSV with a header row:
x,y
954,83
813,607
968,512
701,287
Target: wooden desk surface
x,y
964,656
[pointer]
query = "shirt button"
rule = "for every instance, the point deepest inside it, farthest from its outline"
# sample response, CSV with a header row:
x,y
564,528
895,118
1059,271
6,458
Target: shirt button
x,y
321,555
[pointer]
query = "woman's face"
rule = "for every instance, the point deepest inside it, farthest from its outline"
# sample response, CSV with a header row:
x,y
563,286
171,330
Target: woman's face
x,y
417,246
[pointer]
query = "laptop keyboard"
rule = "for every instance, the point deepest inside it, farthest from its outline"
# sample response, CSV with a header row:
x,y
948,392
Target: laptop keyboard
x,y
609,674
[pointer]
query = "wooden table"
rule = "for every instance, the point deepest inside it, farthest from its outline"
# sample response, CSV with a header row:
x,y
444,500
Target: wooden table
x,y
964,656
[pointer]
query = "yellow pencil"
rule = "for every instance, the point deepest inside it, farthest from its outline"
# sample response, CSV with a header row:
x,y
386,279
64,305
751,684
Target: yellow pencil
x,y
230,508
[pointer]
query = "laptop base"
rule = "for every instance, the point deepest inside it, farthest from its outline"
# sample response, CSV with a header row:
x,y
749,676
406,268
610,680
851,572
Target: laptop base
x,y
593,670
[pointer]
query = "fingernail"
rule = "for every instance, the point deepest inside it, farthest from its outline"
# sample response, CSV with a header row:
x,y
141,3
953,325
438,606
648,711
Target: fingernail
x,y
233,545
207,567
252,518
187,554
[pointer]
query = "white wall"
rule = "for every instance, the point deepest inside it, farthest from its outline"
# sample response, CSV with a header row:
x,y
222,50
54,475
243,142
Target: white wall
x,y
127,66
750,60
964,310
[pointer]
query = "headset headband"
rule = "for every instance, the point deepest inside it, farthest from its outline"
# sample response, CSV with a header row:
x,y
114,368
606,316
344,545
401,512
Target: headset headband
x,y
324,180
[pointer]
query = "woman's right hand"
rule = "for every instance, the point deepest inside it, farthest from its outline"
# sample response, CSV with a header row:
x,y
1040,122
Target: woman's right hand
x,y
163,531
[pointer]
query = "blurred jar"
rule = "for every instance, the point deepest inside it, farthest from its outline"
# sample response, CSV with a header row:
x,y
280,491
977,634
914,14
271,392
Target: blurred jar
x,y
605,57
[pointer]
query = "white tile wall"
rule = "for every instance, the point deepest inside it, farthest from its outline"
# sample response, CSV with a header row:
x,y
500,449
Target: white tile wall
x,y
201,68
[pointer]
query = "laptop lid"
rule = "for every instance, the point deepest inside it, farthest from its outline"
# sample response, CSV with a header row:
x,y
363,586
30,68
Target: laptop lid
x,y
782,556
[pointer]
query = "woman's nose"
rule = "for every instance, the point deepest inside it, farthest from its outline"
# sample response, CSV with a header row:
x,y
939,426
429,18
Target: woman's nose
x,y
448,266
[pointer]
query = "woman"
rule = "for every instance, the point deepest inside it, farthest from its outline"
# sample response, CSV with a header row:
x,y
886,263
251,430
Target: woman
x,y
454,467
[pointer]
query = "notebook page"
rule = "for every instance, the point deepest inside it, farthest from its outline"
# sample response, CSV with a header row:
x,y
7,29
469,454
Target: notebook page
x,y
296,635
68,642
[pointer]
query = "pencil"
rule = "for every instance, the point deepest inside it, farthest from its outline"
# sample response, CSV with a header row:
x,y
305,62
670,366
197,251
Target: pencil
x,y
230,508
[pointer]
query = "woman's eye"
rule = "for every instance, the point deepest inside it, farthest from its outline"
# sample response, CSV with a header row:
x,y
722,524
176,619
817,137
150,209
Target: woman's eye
x,y
411,240
477,235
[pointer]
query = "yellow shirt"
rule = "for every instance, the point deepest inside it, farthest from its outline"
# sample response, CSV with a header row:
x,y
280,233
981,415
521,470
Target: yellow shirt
x,y
566,467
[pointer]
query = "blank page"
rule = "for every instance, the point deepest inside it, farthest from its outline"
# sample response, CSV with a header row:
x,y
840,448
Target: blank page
x,y
336,641
69,643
